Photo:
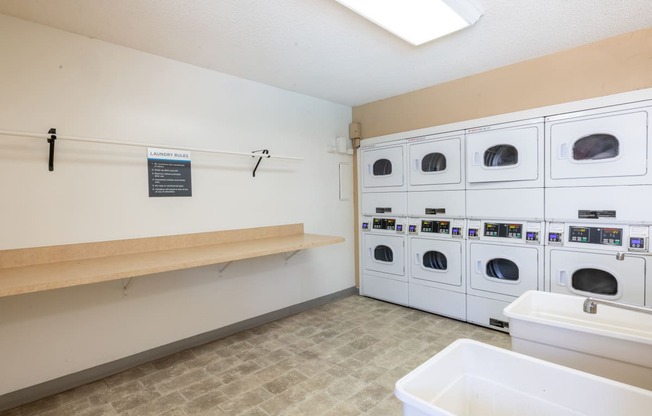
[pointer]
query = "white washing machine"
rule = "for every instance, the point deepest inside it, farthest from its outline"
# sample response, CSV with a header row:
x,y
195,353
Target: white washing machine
x,y
436,162
582,261
382,167
436,266
383,255
504,259
605,146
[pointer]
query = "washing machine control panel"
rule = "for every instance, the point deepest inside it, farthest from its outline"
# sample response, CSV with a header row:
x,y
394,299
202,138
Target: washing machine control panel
x,y
596,235
555,237
638,239
521,232
555,234
638,243
450,228
503,230
384,224
439,227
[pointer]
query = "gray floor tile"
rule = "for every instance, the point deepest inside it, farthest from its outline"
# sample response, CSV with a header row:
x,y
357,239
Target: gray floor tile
x,y
342,358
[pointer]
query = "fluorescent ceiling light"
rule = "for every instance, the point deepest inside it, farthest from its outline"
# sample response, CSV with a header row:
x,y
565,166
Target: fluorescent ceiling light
x,y
417,21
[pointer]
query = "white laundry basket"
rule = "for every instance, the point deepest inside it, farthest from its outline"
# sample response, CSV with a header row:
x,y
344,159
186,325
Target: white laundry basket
x,y
469,378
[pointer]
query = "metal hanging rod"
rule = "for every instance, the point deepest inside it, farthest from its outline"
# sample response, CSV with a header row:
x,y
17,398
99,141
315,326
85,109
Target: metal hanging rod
x,y
52,135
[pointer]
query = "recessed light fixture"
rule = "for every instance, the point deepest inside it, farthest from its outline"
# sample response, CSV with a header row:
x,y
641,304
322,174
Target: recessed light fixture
x,y
417,21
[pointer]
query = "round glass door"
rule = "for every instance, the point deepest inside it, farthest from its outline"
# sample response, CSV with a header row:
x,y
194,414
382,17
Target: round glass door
x,y
502,269
501,155
433,162
596,147
595,281
435,260
382,167
384,254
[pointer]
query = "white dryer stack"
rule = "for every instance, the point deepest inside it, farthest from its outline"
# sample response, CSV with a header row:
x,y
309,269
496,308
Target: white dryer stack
x,y
436,224
598,198
505,211
383,210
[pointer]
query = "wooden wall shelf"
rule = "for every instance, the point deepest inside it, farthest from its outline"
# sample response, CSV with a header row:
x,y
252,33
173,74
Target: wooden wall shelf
x,y
45,268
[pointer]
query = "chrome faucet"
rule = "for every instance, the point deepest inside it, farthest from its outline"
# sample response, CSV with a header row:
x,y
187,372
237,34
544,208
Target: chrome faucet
x,y
591,306
621,254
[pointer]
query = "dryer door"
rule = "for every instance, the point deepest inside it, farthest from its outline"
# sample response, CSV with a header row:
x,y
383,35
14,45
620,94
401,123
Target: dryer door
x,y
598,275
382,169
599,146
436,261
384,254
500,155
502,269
436,162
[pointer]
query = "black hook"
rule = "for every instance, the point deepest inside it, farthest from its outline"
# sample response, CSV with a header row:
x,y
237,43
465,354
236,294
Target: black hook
x,y
53,136
265,152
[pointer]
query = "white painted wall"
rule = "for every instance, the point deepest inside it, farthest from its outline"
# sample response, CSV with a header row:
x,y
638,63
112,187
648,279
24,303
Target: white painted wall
x,y
85,87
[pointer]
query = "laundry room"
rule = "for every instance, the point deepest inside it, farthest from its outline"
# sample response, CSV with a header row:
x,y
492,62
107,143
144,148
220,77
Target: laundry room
x,y
281,208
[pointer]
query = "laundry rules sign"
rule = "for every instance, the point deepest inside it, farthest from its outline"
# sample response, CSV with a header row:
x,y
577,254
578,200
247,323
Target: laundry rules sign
x,y
168,172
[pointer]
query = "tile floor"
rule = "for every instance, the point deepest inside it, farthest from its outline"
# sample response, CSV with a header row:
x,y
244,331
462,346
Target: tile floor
x,y
340,359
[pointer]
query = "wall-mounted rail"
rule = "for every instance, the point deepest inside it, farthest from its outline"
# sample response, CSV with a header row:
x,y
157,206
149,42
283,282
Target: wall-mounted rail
x,y
53,136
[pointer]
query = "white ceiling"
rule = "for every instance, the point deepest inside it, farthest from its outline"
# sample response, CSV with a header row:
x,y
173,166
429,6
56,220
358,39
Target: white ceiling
x,y
320,48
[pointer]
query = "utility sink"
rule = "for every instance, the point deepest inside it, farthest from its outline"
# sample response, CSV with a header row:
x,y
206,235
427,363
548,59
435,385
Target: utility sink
x,y
613,343
470,378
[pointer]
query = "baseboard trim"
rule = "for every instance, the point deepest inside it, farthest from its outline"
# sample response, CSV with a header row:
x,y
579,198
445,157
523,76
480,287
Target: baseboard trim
x,y
61,384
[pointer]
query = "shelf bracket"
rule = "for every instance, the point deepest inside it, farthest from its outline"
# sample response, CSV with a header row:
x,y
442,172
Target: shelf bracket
x,y
264,152
126,285
221,269
53,137
289,256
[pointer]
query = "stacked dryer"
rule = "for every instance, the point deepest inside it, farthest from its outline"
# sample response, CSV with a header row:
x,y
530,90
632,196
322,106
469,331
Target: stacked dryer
x,y
436,224
504,197
598,202
383,209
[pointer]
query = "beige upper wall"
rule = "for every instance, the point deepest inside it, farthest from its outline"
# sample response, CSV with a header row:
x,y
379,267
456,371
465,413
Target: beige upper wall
x,y
619,64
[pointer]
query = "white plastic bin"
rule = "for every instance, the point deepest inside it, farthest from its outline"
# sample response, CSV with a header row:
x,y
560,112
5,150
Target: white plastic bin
x,y
469,378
